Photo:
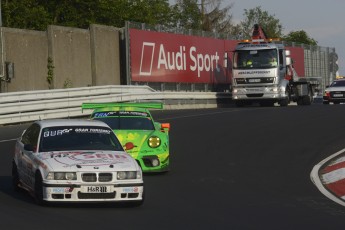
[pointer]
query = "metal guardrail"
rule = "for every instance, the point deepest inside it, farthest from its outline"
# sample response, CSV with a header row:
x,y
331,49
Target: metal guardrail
x,y
20,107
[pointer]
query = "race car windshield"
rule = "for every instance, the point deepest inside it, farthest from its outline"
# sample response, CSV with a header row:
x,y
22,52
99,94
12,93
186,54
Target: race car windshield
x,y
67,138
338,83
128,123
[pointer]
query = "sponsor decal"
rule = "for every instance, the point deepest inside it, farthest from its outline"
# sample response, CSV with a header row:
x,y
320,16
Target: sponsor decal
x,y
254,72
167,57
120,113
53,133
129,146
130,190
85,158
60,190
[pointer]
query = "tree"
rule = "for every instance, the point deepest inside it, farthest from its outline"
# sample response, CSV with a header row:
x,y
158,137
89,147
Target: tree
x,y
188,14
269,23
214,18
299,37
38,14
25,14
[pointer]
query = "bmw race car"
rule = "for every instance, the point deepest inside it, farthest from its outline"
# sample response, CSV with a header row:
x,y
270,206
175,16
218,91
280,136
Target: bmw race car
x,y
69,160
144,139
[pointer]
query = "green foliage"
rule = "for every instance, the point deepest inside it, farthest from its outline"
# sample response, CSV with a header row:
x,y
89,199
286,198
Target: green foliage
x,y
188,14
38,14
269,23
206,15
50,76
67,83
24,14
299,37
217,19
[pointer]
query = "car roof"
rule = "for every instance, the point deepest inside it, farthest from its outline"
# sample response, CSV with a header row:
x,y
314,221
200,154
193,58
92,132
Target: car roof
x,y
70,122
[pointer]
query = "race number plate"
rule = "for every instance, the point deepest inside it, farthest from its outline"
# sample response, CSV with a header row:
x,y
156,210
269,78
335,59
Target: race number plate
x,y
96,189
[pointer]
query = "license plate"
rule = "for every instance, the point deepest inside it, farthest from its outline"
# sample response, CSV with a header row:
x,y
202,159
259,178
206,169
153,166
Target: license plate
x,y
96,189
254,90
337,95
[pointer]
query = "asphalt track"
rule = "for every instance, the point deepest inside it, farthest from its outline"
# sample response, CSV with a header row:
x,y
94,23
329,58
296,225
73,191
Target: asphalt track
x,y
232,168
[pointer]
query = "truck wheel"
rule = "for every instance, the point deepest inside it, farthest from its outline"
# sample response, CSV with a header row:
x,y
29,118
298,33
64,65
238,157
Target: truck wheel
x,y
267,103
307,100
239,103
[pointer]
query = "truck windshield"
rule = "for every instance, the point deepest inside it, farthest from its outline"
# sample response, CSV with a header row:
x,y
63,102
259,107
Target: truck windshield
x,y
255,59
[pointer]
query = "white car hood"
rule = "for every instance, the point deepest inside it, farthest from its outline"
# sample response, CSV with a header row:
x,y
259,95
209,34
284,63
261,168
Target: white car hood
x,y
87,160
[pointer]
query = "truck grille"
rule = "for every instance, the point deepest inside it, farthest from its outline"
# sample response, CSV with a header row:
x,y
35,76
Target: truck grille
x,y
260,80
94,177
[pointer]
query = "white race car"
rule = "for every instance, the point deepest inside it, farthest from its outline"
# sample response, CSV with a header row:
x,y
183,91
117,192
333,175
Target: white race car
x,y
69,160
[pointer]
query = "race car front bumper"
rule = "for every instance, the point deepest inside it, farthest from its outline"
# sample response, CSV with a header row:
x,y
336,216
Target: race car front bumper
x,y
93,192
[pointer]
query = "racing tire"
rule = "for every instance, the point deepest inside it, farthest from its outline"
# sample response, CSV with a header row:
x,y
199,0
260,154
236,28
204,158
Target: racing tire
x,y
239,103
15,177
325,102
336,103
266,104
300,101
307,100
285,101
39,189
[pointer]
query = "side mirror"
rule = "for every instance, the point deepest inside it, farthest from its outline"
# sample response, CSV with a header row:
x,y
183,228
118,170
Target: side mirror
x,y
288,61
165,127
29,147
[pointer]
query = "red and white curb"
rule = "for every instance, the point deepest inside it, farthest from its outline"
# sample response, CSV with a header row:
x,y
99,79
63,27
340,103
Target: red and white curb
x,y
329,177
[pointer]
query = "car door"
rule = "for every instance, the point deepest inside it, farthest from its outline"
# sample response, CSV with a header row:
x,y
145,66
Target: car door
x,y
27,148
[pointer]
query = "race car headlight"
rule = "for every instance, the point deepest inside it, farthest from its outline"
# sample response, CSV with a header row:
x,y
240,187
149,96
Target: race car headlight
x,y
154,142
125,175
62,176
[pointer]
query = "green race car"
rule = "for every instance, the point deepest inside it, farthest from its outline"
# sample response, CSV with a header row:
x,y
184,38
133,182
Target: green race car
x,y
144,139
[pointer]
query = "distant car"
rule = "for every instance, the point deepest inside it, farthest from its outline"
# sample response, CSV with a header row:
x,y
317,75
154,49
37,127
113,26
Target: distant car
x,y
144,139
70,160
335,92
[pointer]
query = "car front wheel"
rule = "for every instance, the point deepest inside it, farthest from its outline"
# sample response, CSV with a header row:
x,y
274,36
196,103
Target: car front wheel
x,y
15,177
38,189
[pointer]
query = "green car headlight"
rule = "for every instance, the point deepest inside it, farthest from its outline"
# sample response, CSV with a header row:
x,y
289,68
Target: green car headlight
x,y
154,142
125,175
62,176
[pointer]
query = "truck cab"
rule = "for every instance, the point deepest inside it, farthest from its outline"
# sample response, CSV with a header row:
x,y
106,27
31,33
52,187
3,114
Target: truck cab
x,y
262,72
259,73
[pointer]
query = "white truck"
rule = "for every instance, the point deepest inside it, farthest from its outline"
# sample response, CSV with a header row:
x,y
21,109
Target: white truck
x,y
263,72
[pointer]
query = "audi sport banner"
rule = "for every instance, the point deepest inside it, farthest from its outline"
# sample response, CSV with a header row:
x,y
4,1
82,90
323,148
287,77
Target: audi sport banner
x,y
167,57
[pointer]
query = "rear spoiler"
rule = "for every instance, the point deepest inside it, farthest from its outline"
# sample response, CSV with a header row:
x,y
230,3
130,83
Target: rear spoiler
x,y
147,105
